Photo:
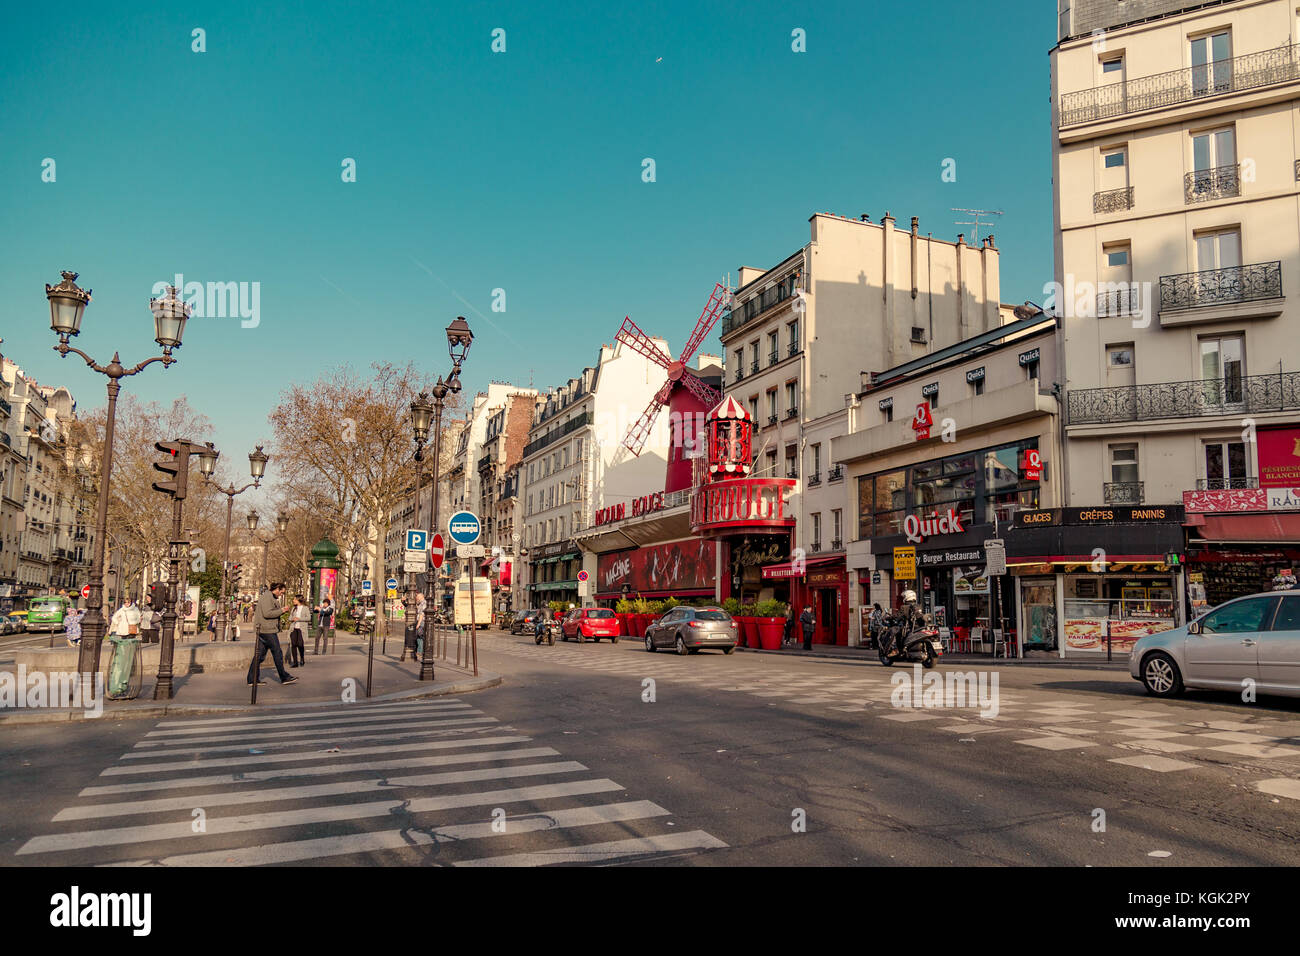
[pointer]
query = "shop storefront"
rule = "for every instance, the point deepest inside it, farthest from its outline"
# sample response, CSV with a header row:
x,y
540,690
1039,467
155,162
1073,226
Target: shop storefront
x,y
819,583
1239,541
1091,581
554,574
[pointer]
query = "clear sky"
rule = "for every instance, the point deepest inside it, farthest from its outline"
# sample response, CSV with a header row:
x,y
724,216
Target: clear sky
x,y
477,171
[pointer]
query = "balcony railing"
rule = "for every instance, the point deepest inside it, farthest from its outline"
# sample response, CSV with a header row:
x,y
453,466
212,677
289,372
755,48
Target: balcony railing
x,y
1119,302
740,373
773,418
6,440
792,473
1206,185
1225,484
1123,492
815,546
1231,395
794,346
1210,287
836,473
753,367
814,479
1249,72
837,544
772,358
792,412
1112,200
555,434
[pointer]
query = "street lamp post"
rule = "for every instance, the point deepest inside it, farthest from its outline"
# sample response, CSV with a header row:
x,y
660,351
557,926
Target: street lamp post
x,y
421,413
67,307
459,339
281,526
257,468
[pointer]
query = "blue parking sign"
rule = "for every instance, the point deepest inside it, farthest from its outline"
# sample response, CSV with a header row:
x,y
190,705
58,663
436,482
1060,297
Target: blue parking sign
x,y
417,539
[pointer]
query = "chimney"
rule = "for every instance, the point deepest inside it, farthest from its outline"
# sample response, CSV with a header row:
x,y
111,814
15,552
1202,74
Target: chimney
x,y
961,238
915,225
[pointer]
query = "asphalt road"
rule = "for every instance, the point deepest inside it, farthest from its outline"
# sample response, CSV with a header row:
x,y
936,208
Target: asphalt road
x,y
576,764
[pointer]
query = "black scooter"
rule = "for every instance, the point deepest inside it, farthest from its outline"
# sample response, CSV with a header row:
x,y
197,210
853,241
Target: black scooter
x,y
917,642
547,632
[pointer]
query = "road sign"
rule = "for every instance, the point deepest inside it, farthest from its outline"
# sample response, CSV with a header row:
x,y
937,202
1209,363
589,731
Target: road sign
x,y
392,593
905,564
417,539
417,565
464,527
584,589
437,550
471,551
367,587
582,576
995,550
391,584
85,592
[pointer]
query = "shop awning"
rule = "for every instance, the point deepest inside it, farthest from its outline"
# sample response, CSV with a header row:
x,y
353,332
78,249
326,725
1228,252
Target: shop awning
x,y
786,569
1269,526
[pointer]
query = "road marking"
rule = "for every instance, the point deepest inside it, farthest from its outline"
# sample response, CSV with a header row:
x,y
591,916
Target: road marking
x,y
272,853
307,816
330,711
283,773
1057,743
166,747
598,852
1153,762
411,713
1281,787
247,797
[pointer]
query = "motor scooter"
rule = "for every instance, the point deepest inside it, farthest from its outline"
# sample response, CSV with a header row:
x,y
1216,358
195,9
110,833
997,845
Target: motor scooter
x,y
916,640
548,631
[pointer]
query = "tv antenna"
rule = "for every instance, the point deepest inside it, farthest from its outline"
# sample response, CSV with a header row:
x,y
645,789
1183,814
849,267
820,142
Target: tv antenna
x,y
976,213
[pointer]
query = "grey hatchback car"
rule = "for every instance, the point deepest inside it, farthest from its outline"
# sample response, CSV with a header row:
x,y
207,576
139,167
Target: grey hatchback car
x,y
687,629
1255,637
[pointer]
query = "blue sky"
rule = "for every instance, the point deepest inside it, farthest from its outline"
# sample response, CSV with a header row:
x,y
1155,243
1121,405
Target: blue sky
x,y
478,170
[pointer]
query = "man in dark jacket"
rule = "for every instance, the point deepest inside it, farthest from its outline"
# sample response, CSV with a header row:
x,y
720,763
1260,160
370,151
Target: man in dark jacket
x,y
268,634
809,625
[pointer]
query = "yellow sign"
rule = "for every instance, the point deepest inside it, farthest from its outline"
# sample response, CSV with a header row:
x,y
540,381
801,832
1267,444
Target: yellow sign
x,y
392,593
905,564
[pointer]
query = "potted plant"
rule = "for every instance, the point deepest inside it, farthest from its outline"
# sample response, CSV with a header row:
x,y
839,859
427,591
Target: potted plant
x,y
731,606
770,623
636,618
623,611
748,623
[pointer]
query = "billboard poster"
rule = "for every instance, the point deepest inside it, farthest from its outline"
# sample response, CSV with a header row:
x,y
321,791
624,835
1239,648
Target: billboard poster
x,y
329,578
677,566
1279,457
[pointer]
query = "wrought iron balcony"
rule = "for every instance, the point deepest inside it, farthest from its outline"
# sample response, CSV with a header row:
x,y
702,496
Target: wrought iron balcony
x,y
754,307
1123,492
1210,287
815,546
814,479
772,358
740,373
1112,200
836,473
794,346
1249,72
1231,395
1119,302
753,367
792,412
1205,185
792,473
837,544
1225,484
773,418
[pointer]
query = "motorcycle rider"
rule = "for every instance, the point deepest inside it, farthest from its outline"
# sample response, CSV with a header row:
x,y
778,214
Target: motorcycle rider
x,y
539,628
911,616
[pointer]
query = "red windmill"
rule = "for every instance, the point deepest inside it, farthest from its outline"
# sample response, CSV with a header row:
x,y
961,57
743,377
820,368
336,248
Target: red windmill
x,y
678,374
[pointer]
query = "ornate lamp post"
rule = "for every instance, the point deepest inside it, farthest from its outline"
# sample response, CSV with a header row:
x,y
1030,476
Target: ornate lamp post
x,y
257,468
459,339
281,526
421,413
67,307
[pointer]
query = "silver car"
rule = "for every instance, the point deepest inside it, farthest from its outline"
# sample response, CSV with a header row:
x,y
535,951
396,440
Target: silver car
x,y
690,628
1255,638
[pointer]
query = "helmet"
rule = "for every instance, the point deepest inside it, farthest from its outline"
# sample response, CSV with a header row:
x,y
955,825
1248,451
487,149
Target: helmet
x,y
909,596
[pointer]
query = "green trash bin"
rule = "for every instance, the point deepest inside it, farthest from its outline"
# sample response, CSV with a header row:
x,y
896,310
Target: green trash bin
x,y
124,670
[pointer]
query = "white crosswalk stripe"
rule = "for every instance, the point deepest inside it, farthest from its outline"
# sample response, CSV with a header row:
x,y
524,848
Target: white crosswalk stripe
x,y
391,779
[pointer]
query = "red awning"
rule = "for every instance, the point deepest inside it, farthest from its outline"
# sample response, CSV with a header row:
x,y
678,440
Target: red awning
x,y
1270,526
786,568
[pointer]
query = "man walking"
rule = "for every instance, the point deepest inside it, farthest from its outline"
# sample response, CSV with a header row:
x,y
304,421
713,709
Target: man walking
x,y
325,621
268,634
809,625
150,623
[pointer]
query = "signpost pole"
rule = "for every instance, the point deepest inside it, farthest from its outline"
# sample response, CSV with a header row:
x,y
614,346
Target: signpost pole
x,y
473,627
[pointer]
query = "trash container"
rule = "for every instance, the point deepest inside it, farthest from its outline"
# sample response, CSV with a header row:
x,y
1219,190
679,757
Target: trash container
x,y
125,674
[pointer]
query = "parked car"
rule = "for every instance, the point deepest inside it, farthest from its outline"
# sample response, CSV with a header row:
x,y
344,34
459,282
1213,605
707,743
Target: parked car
x,y
591,624
1255,637
525,621
19,621
688,629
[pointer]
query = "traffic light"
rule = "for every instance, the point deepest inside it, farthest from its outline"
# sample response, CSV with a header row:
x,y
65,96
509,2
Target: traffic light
x,y
1173,559
235,570
177,466
158,595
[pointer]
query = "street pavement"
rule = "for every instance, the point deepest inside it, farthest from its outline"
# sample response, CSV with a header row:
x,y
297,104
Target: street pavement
x,y
722,760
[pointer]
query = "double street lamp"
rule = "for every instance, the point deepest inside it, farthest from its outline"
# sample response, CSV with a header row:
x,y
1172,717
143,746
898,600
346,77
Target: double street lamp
x,y
67,308
257,460
459,339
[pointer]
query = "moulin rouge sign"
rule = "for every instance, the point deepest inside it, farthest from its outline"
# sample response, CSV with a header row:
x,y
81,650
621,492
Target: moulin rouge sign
x,y
640,506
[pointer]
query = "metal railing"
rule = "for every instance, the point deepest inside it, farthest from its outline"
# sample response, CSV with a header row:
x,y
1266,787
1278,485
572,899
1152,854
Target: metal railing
x,y
836,473
1175,87
1231,395
1217,182
740,373
1225,484
555,434
772,358
837,544
814,479
792,412
773,419
1209,287
1119,302
1112,200
756,306
794,346
753,367
1123,492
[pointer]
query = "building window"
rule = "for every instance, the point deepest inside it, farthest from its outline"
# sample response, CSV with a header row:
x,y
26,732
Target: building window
x,y
791,398
1031,369
1220,249
791,463
1114,65
978,385
1119,356
1212,63
771,405
934,397
837,527
1223,367
888,412
817,459
773,348
753,408
771,463
1117,257
1226,465
793,328
1113,158
816,531
1124,463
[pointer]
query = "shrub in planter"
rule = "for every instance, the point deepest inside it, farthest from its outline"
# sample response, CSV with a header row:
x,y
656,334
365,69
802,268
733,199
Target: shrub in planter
x,y
623,611
748,622
770,624
731,606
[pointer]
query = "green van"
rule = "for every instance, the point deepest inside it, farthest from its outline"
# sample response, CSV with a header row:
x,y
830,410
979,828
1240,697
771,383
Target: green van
x,y
46,613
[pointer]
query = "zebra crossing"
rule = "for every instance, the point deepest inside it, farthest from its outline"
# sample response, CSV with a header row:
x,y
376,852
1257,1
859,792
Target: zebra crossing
x,y
431,781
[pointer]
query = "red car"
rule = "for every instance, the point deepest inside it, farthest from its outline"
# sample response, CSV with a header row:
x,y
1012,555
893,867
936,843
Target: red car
x,y
590,624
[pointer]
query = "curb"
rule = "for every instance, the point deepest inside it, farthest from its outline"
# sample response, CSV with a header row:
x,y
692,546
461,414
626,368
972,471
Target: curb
x,y
869,659
151,709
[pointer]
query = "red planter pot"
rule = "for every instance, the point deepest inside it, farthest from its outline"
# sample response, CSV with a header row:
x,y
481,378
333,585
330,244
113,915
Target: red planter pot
x,y
624,630
646,621
750,627
770,631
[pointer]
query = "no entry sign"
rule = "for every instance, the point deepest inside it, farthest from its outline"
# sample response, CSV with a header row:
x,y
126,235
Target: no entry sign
x,y
437,550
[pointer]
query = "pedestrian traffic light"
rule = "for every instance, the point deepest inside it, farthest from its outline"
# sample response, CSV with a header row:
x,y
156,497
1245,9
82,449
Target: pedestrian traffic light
x,y
1173,559
177,465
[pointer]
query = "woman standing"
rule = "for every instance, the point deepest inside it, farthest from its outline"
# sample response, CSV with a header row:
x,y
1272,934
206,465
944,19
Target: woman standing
x,y
298,618
126,620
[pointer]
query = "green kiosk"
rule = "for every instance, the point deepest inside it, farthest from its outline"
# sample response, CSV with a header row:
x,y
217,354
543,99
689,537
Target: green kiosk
x,y
324,569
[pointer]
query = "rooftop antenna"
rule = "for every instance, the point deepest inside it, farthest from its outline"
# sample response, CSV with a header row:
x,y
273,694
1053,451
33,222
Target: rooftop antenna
x,y
976,213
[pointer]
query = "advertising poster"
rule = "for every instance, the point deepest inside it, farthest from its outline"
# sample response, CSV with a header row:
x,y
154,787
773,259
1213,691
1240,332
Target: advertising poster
x,y
329,578
1279,457
676,566
969,580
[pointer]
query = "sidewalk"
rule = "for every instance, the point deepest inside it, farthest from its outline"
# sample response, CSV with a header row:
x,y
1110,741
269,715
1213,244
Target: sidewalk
x,y
325,680
841,654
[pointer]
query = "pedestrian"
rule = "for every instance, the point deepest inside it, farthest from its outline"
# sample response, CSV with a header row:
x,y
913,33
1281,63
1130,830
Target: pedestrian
x,y
788,634
268,635
73,626
150,623
325,621
298,622
421,602
212,624
875,621
809,623
126,620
